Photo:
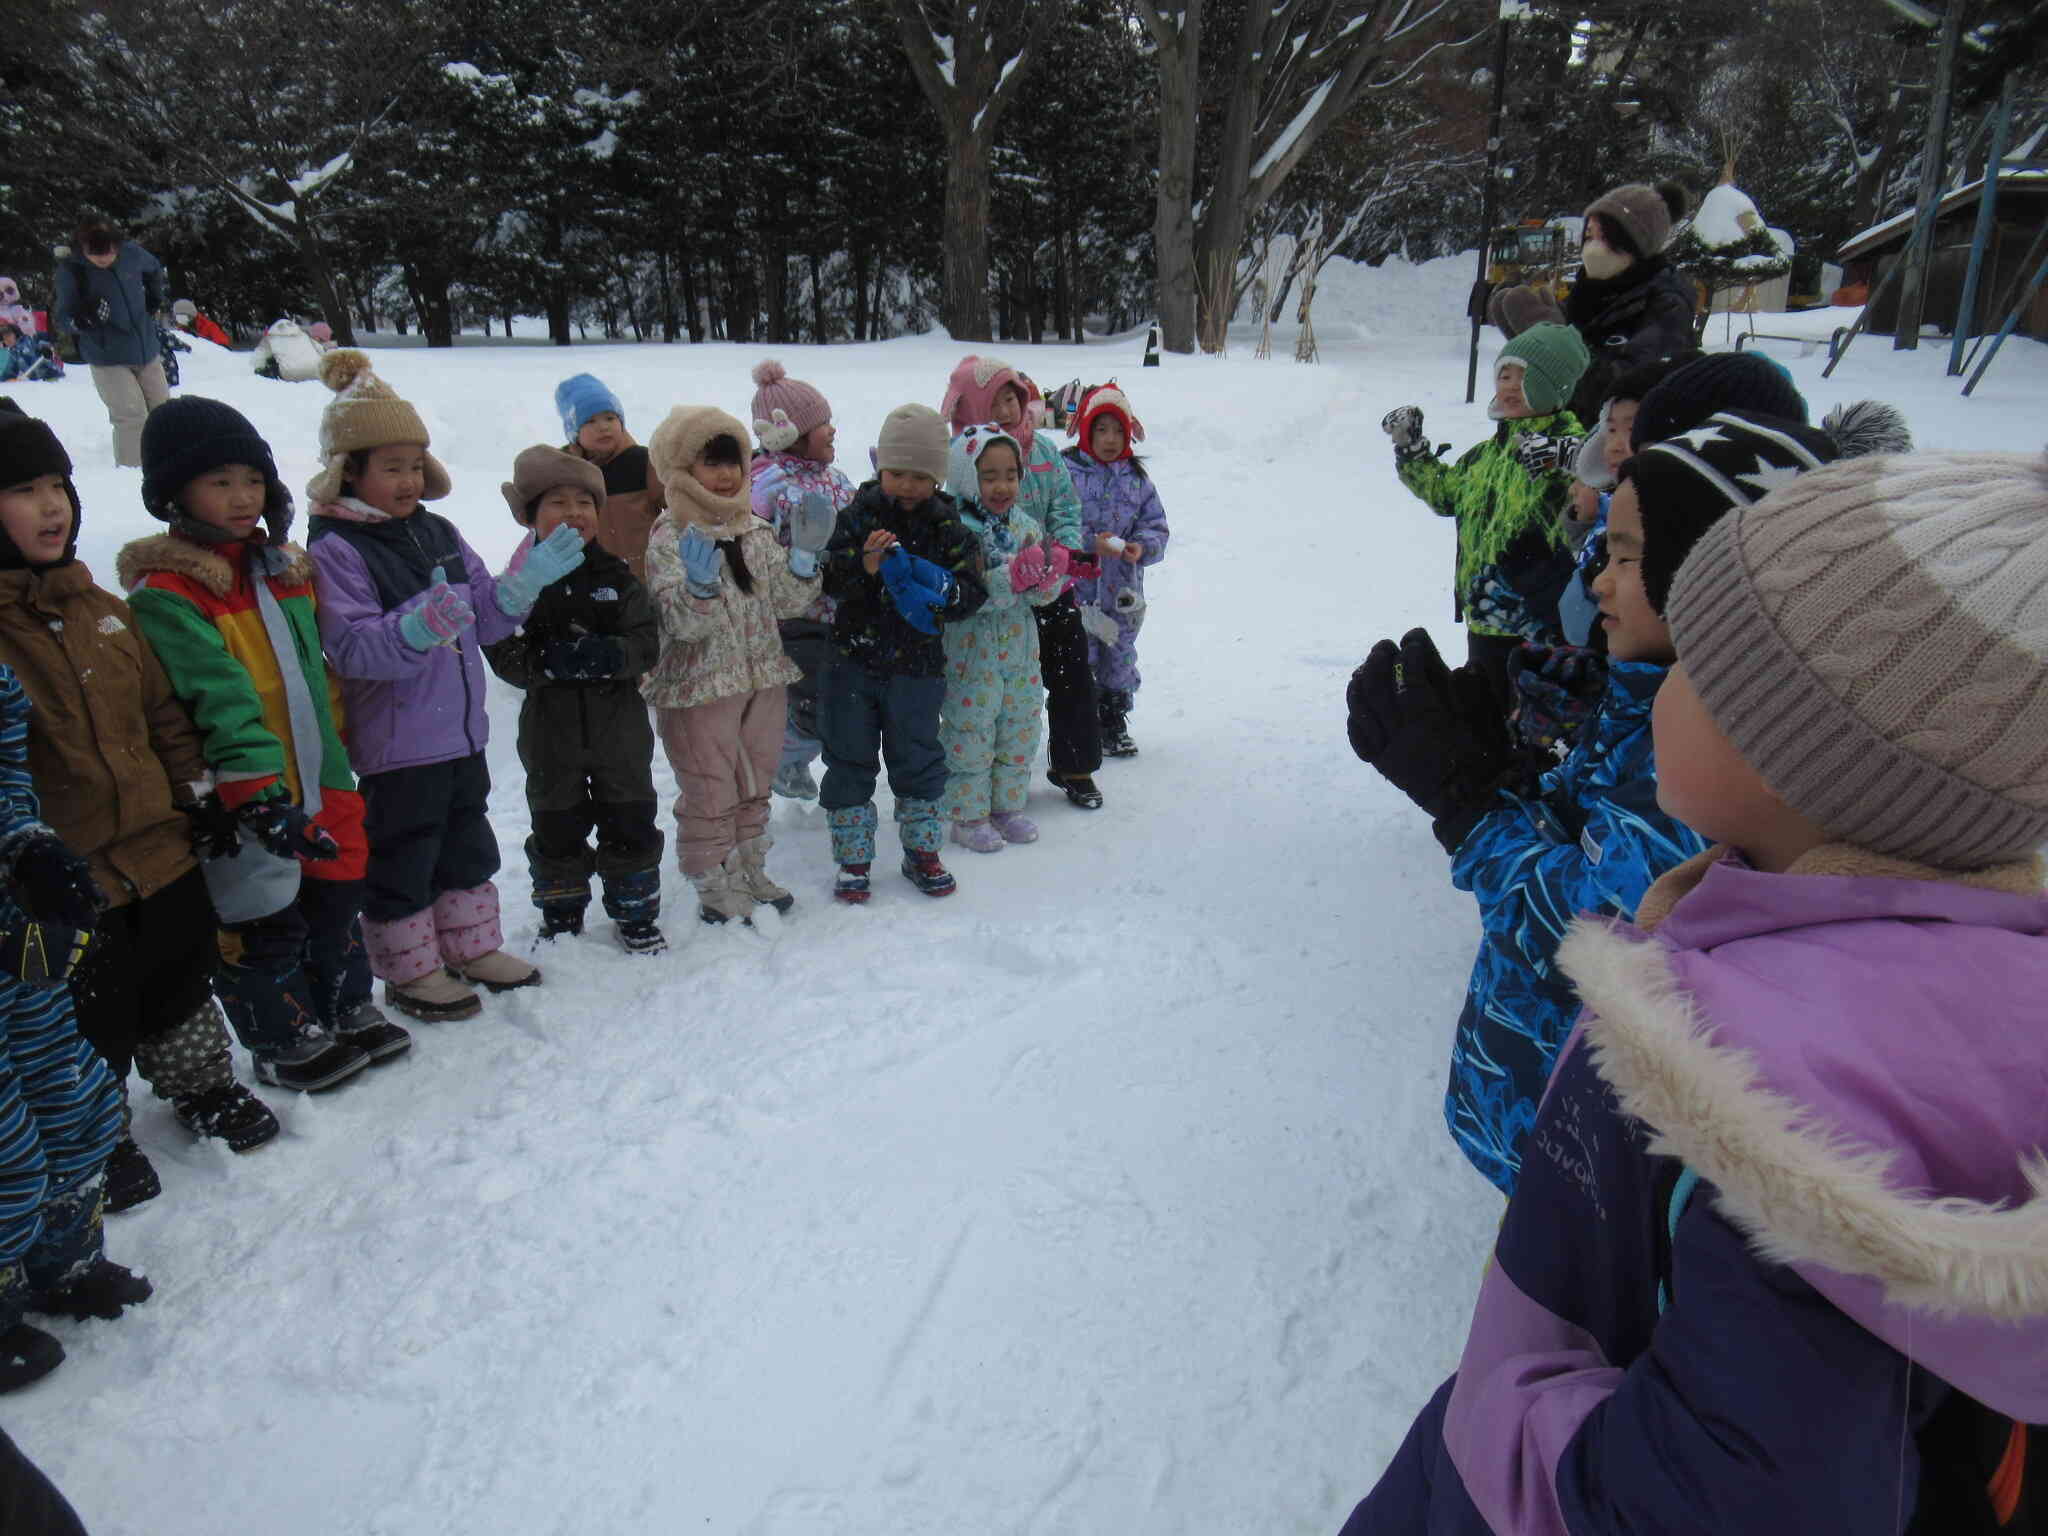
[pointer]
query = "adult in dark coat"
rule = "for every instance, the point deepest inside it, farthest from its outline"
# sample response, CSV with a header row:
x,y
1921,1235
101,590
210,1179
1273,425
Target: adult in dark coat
x,y
1627,302
109,290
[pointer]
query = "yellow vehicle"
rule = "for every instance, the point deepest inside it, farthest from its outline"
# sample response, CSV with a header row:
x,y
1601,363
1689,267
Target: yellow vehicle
x,y
1541,252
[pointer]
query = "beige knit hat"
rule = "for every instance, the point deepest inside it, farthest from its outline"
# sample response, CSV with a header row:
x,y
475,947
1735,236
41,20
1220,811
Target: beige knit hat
x,y
914,440
541,469
1873,638
678,443
364,413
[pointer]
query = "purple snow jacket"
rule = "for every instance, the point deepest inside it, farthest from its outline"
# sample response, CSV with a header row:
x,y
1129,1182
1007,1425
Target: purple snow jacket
x,y
402,707
1852,1058
1116,498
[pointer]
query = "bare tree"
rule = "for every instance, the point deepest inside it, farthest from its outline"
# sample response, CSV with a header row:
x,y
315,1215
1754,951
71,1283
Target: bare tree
x,y
1177,38
971,58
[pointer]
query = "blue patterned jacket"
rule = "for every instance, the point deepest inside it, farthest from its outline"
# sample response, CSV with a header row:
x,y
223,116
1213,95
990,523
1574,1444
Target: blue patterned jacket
x,y
1590,840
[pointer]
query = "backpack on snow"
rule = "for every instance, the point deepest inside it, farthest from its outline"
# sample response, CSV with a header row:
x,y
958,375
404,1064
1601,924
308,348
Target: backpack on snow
x,y
1981,1473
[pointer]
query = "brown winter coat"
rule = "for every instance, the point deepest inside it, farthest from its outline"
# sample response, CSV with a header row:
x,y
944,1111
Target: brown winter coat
x,y
107,738
632,501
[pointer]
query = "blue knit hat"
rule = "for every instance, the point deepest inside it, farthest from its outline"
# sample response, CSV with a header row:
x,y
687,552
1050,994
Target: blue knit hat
x,y
582,397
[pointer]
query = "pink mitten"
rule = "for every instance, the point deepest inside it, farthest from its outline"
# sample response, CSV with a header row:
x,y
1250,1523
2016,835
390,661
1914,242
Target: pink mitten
x,y
1027,568
1056,569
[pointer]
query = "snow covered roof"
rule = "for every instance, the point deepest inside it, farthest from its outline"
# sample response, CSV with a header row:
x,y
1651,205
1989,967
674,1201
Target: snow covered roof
x,y
1899,225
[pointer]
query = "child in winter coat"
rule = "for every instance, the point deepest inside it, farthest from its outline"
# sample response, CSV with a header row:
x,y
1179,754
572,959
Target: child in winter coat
x,y
793,425
1791,1227
989,724
1509,495
1587,835
187,317
584,737
989,389
286,353
720,582
594,425
1124,527
228,607
901,566
60,1110
122,778
26,356
398,633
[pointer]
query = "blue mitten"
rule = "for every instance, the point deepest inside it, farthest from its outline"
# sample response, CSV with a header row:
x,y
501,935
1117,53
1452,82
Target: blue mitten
x,y
701,562
916,587
810,530
546,563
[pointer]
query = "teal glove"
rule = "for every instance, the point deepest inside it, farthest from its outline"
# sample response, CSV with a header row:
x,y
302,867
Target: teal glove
x,y
701,562
439,618
546,563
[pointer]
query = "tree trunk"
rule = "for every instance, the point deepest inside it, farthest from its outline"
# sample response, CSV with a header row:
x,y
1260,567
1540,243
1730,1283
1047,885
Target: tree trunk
x,y
669,322
320,273
966,233
429,289
1173,223
693,317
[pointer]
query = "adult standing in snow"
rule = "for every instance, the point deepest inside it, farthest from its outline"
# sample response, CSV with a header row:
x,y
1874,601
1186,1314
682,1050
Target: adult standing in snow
x,y
1627,302
109,290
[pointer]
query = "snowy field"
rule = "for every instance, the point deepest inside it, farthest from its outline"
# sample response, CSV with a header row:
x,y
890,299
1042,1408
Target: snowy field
x,y
1109,1196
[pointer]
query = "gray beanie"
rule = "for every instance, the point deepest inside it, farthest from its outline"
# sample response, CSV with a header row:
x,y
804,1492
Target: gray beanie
x,y
1873,638
914,440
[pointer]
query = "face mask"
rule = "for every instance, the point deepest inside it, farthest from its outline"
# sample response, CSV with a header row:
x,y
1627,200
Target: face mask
x,y
1603,260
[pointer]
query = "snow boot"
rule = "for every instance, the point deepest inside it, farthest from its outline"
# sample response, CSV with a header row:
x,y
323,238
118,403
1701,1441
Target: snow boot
x,y
229,1113
924,871
498,971
1014,826
793,781
1112,709
99,1288
641,936
365,1027
435,997
26,1354
978,835
851,884
747,865
561,920
718,900
316,1065
131,1178
1077,787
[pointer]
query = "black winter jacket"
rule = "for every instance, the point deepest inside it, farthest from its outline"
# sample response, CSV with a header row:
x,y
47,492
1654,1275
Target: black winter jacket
x,y
867,628
1647,312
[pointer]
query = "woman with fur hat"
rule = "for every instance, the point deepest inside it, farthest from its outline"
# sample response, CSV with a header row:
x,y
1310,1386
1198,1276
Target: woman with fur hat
x,y
123,780
400,593
594,429
1627,301
584,738
793,425
227,604
989,389
720,581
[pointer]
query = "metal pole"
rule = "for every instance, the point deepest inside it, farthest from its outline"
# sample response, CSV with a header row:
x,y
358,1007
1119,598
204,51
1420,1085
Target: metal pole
x,y
1488,212
2012,322
1913,293
1980,238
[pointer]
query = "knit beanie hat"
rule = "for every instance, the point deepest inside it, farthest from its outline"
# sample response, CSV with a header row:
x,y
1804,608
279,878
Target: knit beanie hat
x,y
1874,640
181,309
963,458
972,388
1639,216
1686,484
183,439
28,451
580,397
914,441
1106,400
1747,382
541,469
784,408
679,442
1513,309
1553,357
365,413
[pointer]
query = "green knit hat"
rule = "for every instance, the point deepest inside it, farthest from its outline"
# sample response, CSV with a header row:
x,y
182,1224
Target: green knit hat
x,y
1553,358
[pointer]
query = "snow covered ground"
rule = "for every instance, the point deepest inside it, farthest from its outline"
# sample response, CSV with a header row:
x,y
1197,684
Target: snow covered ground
x,y
1110,1195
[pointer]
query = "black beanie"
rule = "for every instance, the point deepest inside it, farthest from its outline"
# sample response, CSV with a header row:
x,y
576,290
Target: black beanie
x,y
28,451
1685,483
183,439
1745,382
1637,382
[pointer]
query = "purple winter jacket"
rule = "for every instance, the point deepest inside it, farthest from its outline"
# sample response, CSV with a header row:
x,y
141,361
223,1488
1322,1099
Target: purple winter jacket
x,y
403,707
1116,499
1855,1067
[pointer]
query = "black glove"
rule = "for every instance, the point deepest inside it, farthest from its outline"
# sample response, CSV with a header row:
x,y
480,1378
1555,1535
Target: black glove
x,y
100,313
1434,734
1558,689
216,834
54,885
582,658
282,828
1404,425
1540,454
101,1291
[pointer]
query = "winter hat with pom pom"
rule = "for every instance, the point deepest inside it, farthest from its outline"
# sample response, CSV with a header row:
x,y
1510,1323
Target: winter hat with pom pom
x,y
1639,217
365,413
1873,639
678,443
543,468
785,409
580,397
972,388
183,439
1106,400
963,458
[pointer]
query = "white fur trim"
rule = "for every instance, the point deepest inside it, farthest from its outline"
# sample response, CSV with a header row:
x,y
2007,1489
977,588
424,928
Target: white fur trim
x,y
1803,1191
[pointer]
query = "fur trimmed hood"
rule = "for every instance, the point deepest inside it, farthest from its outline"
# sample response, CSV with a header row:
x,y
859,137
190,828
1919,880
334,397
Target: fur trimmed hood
x,y
211,569
1834,1050
678,443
